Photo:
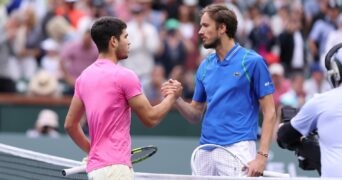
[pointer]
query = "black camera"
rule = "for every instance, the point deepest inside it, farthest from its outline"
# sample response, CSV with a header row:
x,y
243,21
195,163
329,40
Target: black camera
x,y
287,113
307,150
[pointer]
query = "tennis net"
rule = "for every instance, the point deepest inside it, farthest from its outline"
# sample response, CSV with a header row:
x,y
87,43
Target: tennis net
x,y
21,164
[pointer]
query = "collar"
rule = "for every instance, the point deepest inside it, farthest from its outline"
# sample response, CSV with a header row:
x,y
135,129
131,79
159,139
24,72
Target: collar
x,y
229,55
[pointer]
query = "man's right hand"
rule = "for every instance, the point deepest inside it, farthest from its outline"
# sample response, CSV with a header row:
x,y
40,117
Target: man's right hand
x,y
172,87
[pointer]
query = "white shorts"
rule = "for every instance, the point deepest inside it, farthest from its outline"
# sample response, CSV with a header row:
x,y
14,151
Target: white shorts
x,y
215,163
113,172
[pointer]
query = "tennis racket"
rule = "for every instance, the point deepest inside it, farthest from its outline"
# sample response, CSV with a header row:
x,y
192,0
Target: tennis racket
x,y
216,152
137,155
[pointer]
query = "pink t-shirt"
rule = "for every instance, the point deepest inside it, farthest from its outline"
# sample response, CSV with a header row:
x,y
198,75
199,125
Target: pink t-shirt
x,y
105,88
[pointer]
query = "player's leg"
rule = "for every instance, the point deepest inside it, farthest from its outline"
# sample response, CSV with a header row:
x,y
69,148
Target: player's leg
x,y
117,171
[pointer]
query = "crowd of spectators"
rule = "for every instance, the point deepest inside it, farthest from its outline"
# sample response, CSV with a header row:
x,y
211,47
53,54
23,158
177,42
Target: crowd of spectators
x,y
45,45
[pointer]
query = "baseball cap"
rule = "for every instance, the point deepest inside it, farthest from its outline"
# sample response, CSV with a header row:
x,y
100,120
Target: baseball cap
x,y
276,69
171,24
50,45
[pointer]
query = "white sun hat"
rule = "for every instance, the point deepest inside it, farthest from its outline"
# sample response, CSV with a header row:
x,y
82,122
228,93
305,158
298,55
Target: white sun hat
x,y
43,84
47,117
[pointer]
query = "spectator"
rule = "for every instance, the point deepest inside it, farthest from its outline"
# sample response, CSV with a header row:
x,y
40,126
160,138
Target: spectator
x,y
278,21
281,84
27,44
261,36
292,47
188,30
97,9
152,90
154,12
51,60
188,85
50,13
173,51
60,30
296,95
46,125
144,44
43,84
71,12
321,29
7,81
76,55
335,37
317,83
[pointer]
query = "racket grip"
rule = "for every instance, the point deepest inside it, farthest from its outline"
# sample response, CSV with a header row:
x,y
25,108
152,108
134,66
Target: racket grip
x,y
275,174
74,170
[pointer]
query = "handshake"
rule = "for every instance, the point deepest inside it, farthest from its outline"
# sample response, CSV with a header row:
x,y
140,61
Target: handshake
x,y
172,88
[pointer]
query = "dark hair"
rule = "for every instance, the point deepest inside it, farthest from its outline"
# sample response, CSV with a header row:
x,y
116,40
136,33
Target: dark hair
x,y
222,15
104,28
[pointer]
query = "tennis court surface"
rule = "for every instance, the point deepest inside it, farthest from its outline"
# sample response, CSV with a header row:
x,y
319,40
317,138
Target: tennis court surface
x,y
21,164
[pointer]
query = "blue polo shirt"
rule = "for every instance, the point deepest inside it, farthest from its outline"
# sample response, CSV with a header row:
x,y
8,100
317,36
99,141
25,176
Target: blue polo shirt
x,y
231,88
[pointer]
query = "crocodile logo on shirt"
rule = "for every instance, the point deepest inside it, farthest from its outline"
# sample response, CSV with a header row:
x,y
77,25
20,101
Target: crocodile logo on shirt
x,y
237,74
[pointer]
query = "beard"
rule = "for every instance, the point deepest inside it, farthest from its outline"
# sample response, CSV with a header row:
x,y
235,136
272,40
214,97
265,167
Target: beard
x,y
213,44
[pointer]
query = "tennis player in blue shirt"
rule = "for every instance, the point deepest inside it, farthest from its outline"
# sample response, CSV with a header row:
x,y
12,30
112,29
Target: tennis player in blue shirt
x,y
231,86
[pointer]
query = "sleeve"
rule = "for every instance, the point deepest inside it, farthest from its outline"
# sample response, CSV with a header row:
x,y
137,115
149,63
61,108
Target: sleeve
x,y
199,92
77,88
288,137
261,78
306,119
131,85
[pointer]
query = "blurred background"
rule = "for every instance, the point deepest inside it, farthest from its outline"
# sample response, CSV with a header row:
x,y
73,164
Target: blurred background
x,y
45,45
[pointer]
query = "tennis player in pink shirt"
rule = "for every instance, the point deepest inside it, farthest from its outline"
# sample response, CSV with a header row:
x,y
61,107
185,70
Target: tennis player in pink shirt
x,y
107,92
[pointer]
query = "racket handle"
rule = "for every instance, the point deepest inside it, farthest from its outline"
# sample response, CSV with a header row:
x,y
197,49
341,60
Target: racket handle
x,y
74,170
275,174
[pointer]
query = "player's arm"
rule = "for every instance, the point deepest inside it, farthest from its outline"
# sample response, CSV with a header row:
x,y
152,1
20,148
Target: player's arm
x,y
269,120
192,111
72,124
152,115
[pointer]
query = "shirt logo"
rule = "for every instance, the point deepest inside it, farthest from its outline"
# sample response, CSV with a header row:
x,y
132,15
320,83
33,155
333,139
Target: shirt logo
x,y
237,74
268,83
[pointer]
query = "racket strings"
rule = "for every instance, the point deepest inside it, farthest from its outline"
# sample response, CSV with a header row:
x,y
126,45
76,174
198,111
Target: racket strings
x,y
232,168
215,162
